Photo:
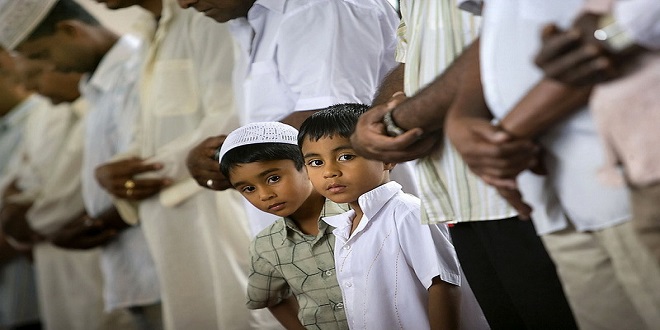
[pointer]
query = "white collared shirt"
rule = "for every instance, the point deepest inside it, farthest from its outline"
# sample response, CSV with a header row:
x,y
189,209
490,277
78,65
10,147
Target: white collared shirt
x,y
574,151
306,55
386,266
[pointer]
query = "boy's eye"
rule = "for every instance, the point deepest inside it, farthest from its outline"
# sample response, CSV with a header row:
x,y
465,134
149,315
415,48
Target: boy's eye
x,y
345,157
315,163
248,189
273,179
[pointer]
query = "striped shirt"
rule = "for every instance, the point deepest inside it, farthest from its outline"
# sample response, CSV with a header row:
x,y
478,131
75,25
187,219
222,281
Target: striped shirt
x,y
286,261
431,35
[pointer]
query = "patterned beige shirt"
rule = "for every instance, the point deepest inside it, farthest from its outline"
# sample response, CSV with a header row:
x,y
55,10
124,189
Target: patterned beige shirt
x,y
286,261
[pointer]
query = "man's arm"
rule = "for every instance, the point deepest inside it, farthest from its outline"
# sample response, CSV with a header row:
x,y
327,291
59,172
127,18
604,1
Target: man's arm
x,y
286,312
444,305
422,115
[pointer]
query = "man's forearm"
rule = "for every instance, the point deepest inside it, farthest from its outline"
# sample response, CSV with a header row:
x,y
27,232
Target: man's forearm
x,y
427,109
546,104
392,83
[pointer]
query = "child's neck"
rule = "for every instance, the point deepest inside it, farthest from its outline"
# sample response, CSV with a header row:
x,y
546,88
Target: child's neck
x,y
307,215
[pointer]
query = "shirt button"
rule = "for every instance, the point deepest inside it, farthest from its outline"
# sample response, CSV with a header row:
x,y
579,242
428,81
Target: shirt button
x,y
347,247
339,306
328,273
349,284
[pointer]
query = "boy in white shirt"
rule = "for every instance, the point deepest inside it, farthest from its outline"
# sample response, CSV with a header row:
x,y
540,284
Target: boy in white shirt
x,y
402,274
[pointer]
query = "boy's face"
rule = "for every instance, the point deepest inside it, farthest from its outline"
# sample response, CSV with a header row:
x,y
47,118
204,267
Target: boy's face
x,y
220,10
338,173
68,49
275,186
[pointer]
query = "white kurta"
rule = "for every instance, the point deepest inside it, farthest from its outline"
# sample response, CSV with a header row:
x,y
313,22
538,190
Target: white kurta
x,y
18,296
129,273
574,151
198,238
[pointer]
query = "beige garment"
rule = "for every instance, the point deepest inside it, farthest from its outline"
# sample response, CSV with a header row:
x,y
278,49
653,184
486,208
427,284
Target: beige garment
x,y
198,238
611,281
646,216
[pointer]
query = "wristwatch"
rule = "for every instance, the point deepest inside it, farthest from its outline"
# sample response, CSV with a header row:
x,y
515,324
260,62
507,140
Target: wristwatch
x,y
390,127
612,35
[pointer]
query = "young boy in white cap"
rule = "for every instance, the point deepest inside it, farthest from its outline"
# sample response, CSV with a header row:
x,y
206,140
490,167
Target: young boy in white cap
x,y
292,271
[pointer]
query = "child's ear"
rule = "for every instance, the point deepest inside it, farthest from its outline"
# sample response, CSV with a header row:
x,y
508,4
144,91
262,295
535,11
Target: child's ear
x,y
388,166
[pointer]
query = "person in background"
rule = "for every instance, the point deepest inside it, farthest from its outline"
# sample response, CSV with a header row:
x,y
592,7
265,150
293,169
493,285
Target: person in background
x,y
494,245
198,238
73,40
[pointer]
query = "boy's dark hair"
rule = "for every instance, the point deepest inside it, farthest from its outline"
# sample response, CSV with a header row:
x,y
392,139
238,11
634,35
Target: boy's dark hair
x,y
261,152
63,10
338,120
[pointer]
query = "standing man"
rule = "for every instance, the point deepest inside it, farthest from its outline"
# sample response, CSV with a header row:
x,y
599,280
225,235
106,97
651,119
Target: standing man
x,y
494,246
199,239
610,279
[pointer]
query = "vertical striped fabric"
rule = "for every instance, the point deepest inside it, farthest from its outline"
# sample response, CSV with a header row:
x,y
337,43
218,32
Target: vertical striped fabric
x,y
431,35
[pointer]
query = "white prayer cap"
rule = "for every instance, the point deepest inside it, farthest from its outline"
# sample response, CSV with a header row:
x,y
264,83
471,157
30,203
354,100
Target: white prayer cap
x,y
263,132
18,18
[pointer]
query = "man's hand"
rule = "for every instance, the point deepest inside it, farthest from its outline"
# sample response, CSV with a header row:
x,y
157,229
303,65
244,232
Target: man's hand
x,y
371,140
574,56
16,228
83,233
489,152
118,179
203,164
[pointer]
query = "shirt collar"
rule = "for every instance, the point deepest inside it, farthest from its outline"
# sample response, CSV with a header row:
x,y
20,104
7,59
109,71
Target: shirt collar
x,y
101,79
370,202
373,201
274,5
329,209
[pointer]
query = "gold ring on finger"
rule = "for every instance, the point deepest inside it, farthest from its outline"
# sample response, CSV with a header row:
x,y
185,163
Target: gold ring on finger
x,y
129,184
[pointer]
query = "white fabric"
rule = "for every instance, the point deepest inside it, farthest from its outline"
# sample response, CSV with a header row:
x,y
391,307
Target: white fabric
x,y
18,296
129,273
432,34
574,153
307,55
70,291
200,243
340,56
19,18
385,267
640,19
262,132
